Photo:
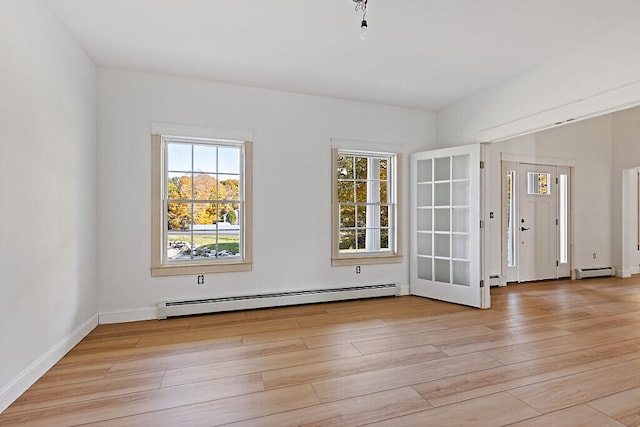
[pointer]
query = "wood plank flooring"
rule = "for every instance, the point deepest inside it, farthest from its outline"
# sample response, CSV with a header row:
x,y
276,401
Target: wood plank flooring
x,y
563,353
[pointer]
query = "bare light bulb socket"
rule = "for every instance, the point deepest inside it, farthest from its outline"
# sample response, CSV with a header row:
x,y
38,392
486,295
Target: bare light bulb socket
x,y
363,29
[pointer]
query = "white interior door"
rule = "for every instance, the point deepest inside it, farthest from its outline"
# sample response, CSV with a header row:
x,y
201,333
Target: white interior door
x,y
537,224
445,226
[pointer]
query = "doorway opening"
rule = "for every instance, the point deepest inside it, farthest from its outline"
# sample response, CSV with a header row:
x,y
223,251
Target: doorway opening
x,y
536,221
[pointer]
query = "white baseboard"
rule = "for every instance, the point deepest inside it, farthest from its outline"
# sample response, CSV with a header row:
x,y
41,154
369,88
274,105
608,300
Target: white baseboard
x,y
623,274
152,313
10,392
129,315
628,272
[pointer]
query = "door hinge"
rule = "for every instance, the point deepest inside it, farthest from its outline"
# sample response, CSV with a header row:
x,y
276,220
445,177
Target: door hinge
x,y
557,263
556,221
481,164
482,283
481,224
557,180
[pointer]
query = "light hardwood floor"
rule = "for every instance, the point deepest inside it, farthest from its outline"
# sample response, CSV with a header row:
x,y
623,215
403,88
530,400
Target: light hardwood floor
x,y
563,353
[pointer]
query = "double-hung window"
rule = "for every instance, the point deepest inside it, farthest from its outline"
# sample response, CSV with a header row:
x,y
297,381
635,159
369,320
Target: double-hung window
x,y
201,214
365,208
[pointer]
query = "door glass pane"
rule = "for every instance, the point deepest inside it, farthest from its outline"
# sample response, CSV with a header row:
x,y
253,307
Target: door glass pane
x,y
424,194
424,219
461,167
461,273
511,239
461,220
564,220
442,220
442,195
442,245
425,268
424,170
461,246
539,183
442,273
442,169
460,193
424,244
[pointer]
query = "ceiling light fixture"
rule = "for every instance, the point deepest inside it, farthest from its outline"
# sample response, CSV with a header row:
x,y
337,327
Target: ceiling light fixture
x,y
361,5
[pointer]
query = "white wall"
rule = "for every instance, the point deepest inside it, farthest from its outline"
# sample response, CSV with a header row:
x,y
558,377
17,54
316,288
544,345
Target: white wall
x,y
587,146
600,76
48,294
626,156
292,140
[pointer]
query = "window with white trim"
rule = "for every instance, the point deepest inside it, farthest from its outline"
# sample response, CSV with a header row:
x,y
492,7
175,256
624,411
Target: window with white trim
x,y
201,216
365,208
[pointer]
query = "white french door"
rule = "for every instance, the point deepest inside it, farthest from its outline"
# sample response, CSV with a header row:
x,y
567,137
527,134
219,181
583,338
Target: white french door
x,y
445,226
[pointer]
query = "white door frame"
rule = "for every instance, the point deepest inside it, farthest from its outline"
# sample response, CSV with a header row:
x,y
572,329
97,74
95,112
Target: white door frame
x,y
630,224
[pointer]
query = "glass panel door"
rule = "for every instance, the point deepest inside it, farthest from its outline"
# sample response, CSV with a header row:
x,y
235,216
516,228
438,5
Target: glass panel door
x,y
445,230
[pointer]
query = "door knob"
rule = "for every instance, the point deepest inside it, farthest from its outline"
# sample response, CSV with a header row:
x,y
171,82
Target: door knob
x,y
523,228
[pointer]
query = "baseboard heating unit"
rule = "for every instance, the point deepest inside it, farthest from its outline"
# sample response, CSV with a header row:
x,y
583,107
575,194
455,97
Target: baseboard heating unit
x,y
583,273
246,302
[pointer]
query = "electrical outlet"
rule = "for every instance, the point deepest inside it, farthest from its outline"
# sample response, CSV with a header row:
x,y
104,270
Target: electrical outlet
x,y
201,279
358,269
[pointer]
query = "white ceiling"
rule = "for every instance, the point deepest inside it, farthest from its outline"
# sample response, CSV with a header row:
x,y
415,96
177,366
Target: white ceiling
x,y
419,53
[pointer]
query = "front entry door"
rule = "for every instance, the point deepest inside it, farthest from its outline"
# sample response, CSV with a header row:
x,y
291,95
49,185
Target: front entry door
x,y
537,222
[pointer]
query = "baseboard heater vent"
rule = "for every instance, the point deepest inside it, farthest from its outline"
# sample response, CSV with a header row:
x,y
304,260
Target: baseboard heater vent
x,y
583,273
214,305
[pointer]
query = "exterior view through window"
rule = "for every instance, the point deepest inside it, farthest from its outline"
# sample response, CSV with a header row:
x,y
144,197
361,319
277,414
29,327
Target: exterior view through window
x,y
364,205
204,201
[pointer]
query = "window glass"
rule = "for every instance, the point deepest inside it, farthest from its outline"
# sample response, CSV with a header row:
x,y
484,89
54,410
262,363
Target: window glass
x,y
365,204
511,231
538,183
203,207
